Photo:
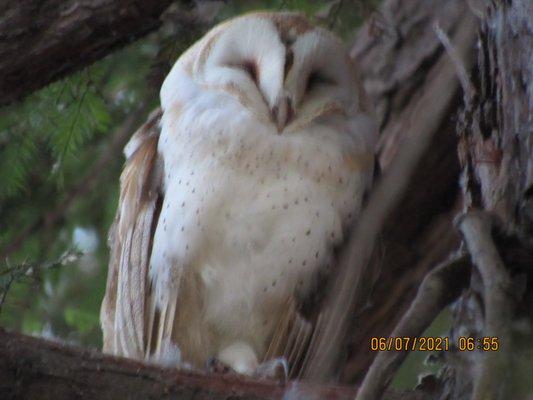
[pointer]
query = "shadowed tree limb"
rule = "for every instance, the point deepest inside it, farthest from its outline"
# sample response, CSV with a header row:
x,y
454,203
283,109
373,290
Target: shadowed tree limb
x,y
42,41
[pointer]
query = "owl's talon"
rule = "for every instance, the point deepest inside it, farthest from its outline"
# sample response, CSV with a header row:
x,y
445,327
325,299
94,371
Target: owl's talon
x,y
276,369
215,366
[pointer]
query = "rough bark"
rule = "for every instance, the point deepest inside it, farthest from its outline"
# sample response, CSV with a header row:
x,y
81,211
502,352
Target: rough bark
x,y
496,154
33,368
42,41
398,65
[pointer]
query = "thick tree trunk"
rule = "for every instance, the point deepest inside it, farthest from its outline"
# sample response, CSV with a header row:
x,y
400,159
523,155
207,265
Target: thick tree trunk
x,y
42,41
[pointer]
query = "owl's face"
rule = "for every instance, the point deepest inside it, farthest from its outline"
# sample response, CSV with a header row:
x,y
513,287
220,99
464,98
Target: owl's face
x,y
277,65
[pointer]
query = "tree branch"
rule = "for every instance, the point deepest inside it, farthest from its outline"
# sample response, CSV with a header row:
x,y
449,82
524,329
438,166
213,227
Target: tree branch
x,y
42,41
33,368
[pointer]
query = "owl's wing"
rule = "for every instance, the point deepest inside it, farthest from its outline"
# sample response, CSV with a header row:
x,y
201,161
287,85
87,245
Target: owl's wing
x,y
125,313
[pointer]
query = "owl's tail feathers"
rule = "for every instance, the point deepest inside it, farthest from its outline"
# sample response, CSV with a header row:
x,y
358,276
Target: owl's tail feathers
x,y
291,339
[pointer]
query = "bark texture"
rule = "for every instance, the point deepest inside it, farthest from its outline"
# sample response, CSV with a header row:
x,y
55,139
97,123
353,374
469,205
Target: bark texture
x,y
496,153
42,41
33,368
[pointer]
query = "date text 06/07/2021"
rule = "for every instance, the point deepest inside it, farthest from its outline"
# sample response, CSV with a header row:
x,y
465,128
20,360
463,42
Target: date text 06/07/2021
x,y
429,343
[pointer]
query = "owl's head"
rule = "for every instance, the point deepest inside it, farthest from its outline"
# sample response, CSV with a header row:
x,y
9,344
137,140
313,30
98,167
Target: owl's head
x,y
277,65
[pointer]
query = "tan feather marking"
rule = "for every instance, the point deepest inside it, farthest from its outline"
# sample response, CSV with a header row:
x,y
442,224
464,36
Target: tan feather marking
x,y
358,162
290,25
205,51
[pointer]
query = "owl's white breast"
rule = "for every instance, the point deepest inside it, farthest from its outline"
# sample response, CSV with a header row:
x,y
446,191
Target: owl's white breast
x,y
254,213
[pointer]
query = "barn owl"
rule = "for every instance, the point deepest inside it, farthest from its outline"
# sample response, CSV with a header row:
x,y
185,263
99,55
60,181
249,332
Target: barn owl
x,y
234,196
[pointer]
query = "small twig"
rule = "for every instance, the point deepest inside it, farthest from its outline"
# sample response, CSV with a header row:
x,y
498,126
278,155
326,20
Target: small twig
x,y
476,227
438,289
15,273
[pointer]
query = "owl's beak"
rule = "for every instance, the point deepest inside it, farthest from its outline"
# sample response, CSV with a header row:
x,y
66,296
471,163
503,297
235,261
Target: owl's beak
x,y
282,112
